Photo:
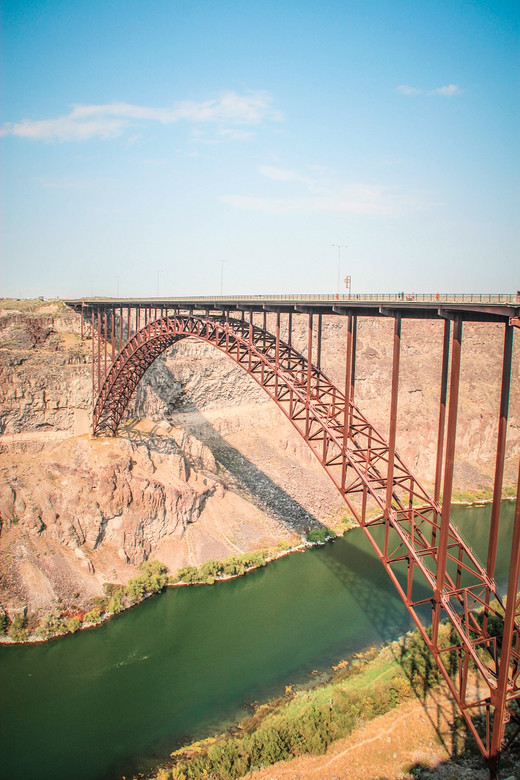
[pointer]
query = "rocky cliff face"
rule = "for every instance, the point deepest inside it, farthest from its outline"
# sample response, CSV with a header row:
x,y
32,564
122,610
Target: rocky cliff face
x,y
212,468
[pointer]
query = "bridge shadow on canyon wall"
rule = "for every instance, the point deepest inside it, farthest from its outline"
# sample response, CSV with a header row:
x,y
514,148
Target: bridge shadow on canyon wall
x,y
238,472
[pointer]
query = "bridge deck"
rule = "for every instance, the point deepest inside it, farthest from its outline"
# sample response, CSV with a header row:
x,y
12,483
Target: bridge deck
x,y
471,307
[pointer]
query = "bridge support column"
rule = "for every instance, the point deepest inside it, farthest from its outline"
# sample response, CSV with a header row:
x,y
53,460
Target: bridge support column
x,y
442,421
277,353
309,372
499,716
393,421
92,333
318,351
501,449
349,351
442,551
98,351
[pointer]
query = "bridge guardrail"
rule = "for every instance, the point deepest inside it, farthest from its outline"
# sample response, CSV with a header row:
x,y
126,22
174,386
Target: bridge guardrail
x,y
409,297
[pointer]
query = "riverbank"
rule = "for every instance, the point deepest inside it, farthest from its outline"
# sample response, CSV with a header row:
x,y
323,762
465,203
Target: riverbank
x,y
119,598
320,731
153,578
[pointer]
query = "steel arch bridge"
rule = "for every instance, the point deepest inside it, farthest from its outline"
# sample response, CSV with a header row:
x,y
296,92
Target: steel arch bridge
x,y
409,530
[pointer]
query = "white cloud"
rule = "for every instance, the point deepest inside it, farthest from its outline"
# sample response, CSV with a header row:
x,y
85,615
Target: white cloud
x,y
313,184
234,134
112,119
335,204
451,89
278,174
404,89
448,91
320,193
354,199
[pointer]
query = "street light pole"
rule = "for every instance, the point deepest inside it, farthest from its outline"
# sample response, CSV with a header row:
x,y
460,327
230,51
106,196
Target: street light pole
x,y
221,274
339,247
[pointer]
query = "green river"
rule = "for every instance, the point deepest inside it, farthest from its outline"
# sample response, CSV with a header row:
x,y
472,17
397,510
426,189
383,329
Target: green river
x,y
116,699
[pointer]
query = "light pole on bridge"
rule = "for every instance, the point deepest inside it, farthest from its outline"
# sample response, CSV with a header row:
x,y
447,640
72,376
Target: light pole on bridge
x,y
339,248
221,274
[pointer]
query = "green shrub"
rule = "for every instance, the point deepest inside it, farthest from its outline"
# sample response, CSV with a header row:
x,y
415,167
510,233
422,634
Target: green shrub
x,y
113,589
4,623
17,629
94,616
188,574
72,625
153,576
115,605
319,535
234,566
210,570
50,625
100,602
135,590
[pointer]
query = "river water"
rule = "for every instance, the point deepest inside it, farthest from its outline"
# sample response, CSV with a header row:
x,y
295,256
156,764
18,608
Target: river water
x,y
103,703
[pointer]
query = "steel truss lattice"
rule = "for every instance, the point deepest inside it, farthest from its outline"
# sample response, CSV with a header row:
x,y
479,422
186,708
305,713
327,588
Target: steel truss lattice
x,y
450,595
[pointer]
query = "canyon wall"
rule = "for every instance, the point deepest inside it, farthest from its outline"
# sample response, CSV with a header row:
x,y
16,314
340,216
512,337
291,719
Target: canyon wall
x,y
206,465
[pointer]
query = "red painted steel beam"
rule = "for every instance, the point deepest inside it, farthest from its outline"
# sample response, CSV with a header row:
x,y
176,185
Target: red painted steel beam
x,y
393,413
93,360
318,350
113,334
99,350
309,371
450,463
442,411
105,340
500,698
349,354
501,449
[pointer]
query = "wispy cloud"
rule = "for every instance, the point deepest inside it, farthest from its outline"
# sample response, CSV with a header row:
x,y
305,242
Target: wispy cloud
x,y
321,195
448,91
110,120
451,89
279,174
404,89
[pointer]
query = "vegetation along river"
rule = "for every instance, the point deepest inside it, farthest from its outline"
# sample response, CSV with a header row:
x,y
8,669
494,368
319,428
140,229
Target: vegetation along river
x,y
102,703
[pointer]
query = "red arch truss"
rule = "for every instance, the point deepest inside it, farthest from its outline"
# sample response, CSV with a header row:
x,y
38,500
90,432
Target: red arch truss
x,y
454,604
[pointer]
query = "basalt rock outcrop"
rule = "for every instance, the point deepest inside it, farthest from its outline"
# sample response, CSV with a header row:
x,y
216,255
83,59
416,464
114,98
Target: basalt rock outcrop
x,y
206,466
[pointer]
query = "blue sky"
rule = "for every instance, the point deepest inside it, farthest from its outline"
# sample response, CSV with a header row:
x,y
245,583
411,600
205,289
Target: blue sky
x,y
145,141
